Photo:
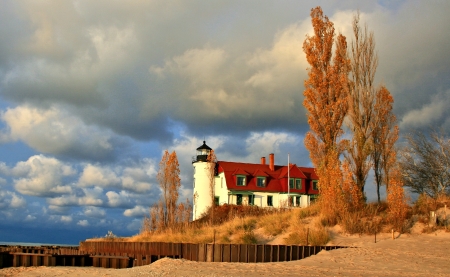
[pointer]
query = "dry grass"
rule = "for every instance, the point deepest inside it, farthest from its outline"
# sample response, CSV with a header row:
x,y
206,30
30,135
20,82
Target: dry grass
x,y
252,225
237,224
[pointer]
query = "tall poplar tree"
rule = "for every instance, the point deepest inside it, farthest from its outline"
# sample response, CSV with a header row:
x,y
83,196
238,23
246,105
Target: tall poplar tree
x,y
362,95
170,183
326,102
384,135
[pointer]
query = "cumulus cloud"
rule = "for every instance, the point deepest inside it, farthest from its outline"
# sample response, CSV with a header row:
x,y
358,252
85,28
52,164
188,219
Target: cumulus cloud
x,y
55,131
10,200
90,197
30,218
42,176
430,114
83,222
121,199
135,177
94,212
98,176
137,211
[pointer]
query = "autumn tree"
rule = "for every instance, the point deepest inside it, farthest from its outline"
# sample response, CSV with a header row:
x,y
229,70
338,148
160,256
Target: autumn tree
x,y
211,172
384,136
170,183
164,185
362,94
326,102
396,200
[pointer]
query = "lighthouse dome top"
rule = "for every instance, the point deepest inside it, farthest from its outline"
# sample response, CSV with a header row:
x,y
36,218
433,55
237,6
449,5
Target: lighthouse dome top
x,y
202,153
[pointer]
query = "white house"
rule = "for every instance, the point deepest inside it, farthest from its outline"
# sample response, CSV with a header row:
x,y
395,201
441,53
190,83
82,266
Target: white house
x,y
263,185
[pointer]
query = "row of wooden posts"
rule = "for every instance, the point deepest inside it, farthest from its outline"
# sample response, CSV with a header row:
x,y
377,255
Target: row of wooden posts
x,y
113,254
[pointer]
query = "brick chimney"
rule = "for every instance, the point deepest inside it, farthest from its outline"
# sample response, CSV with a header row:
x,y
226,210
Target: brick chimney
x,y
272,161
263,160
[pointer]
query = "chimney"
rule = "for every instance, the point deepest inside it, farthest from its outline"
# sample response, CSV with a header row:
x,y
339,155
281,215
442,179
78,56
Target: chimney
x,y
272,161
263,160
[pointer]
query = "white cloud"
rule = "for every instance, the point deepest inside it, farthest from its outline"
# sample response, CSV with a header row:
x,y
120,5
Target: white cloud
x,y
121,199
17,201
137,211
278,67
30,218
10,200
98,176
66,218
55,131
94,212
83,223
42,176
428,114
135,177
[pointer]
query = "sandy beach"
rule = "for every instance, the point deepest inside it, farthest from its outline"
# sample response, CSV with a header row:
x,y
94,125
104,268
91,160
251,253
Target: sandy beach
x,y
407,255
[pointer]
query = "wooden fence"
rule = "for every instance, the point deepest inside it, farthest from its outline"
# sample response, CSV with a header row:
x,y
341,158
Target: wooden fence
x,y
111,254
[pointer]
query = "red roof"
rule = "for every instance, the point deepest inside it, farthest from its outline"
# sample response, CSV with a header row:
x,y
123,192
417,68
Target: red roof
x,y
276,180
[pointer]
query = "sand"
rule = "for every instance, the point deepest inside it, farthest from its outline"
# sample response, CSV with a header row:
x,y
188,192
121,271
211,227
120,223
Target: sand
x,y
407,255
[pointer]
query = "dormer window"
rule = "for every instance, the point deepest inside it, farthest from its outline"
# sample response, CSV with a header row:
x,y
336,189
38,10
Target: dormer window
x,y
240,180
315,185
295,183
291,183
261,182
298,183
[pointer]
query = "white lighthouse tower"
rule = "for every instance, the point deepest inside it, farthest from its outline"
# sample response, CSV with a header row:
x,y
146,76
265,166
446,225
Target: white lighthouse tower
x,y
202,188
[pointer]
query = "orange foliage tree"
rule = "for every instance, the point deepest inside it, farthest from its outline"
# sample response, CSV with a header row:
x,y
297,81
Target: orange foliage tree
x,y
396,199
326,102
362,93
384,136
170,183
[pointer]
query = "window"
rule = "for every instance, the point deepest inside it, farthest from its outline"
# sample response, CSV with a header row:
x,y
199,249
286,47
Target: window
x,y
315,185
216,200
269,200
298,183
297,201
240,180
261,181
291,183
238,199
251,200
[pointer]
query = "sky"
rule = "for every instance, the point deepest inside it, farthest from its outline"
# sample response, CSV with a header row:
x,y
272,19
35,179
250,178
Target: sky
x,y
93,92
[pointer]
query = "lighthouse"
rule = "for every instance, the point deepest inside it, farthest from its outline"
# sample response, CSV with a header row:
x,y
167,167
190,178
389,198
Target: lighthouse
x,y
202,188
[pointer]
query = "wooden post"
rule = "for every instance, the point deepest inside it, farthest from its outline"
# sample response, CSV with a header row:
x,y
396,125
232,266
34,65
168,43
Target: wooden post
x,y
307,236
375,236
392,233
445,216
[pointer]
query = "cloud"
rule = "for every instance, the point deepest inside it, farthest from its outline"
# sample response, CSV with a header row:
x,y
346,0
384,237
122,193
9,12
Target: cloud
x,y
137,211
116,200
83,223
135,177
98,176
30,218
89,197
431,114
94,212
10,200
56,131
42,176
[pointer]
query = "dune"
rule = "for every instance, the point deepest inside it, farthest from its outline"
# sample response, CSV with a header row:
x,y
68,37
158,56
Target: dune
x,y
412,254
